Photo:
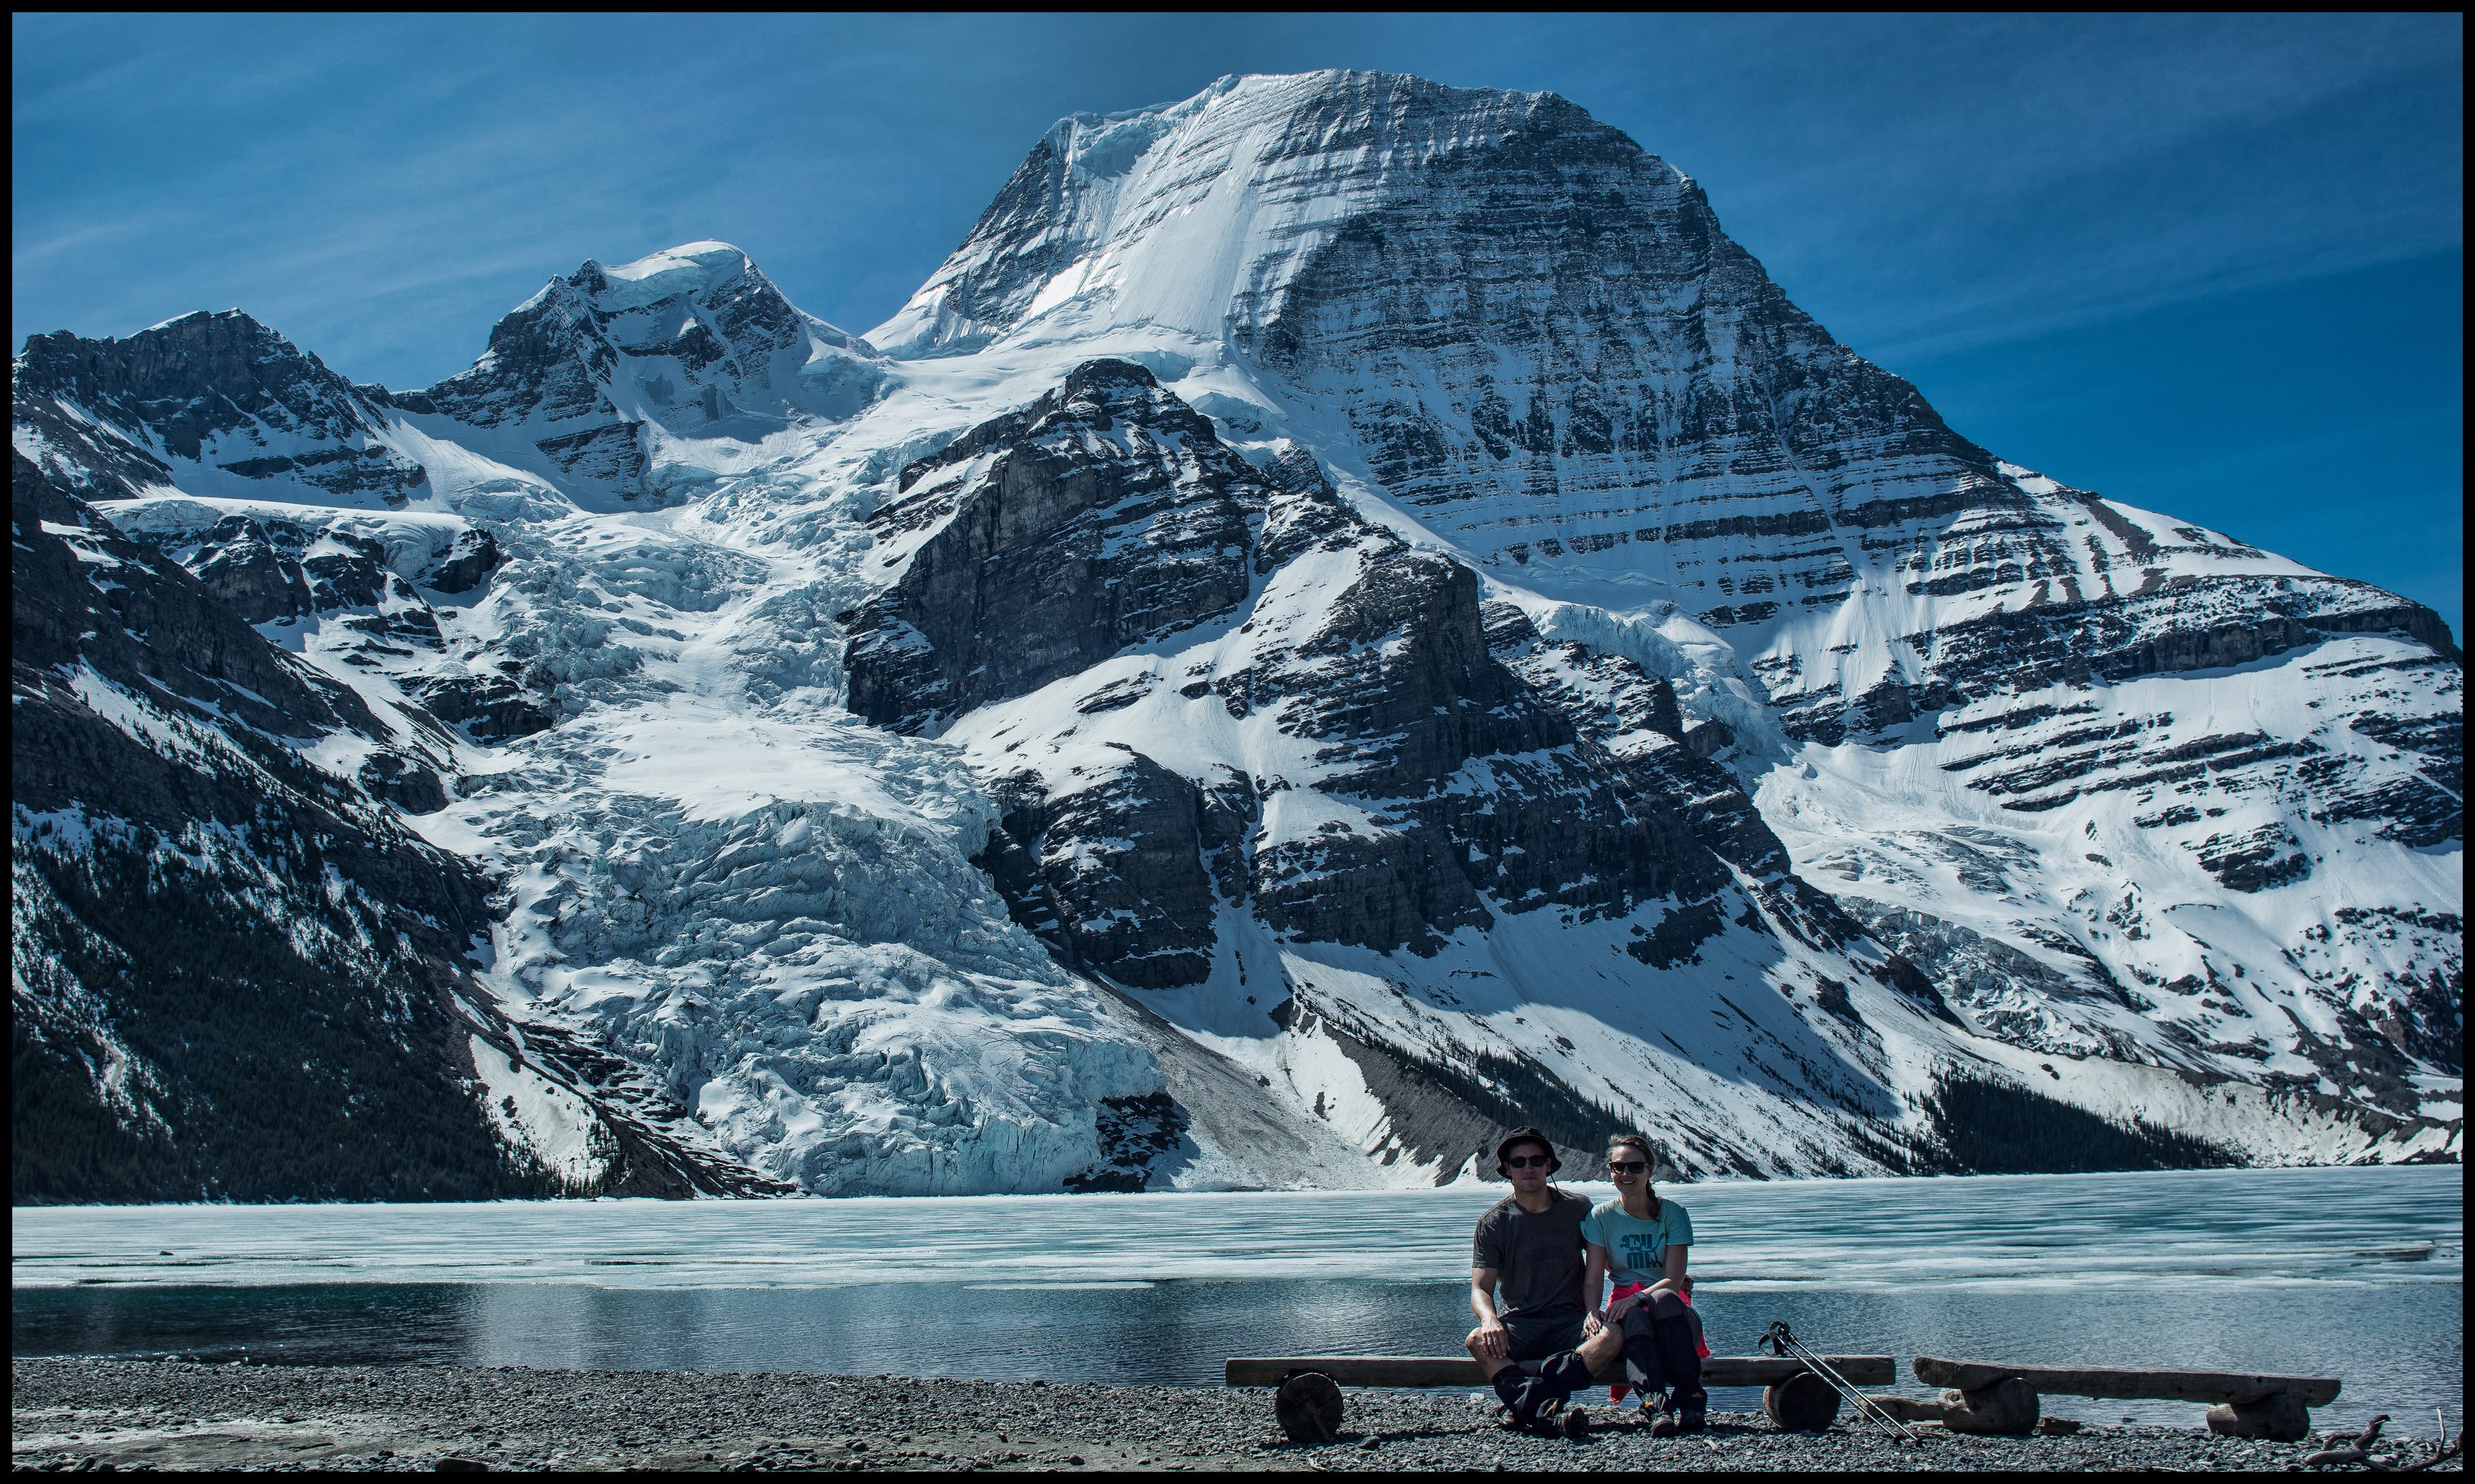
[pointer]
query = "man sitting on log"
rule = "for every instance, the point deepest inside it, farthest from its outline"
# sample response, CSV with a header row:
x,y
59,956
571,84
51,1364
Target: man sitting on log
x,y
1529,1246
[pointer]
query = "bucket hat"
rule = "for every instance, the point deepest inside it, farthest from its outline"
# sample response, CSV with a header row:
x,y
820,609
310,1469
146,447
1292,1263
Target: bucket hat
x,y
1528,1136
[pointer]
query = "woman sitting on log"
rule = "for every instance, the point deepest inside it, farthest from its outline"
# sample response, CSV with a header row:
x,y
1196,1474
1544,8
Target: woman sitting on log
x,y
1641,1242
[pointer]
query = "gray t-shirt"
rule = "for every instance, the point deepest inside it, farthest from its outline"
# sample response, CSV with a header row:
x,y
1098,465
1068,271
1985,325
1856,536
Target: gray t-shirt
x,y
1536,1256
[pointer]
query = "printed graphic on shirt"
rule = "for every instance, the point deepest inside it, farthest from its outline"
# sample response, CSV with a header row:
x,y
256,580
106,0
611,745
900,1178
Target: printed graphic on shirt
x,y
1643,1252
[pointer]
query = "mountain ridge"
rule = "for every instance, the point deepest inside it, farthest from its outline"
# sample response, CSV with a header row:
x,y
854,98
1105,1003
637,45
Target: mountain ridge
x,y
1465,617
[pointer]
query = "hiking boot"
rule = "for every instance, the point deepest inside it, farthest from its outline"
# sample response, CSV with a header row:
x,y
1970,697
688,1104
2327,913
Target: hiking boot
x,y
1666,1419
1691,1408
1552,1419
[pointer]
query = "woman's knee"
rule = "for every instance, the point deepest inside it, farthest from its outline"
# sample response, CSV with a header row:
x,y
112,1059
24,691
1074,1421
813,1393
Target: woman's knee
x,y
1667,1306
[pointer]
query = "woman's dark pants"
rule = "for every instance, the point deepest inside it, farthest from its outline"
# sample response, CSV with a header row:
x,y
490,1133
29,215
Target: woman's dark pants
x,y
1661,1343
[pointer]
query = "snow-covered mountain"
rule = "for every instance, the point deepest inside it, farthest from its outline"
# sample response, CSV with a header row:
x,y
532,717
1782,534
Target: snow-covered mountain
x,y
1347,611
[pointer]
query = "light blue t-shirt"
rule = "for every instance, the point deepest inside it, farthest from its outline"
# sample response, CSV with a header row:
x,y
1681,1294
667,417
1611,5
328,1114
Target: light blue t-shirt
x,y
1636,1246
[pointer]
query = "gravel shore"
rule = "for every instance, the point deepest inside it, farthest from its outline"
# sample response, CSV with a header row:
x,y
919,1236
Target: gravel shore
x,y
172,1415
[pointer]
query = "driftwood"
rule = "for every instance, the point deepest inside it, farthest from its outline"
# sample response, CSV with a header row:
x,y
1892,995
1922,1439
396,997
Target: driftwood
x,y
2349,1454
2443,1455
2145,1385
2339,1442
2356,1452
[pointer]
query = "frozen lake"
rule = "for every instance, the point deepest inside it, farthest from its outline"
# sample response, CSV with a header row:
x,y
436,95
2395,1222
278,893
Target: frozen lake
x,y
2357,1272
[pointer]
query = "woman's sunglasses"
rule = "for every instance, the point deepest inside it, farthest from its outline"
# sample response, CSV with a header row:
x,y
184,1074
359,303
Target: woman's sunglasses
x,y
1626,1166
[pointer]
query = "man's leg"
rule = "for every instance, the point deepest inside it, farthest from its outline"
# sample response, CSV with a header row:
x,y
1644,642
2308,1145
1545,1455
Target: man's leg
x,y
1488,1365
1516,1385
1600,1350
1544,1365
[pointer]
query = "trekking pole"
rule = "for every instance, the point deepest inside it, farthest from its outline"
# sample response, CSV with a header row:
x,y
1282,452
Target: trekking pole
x,y
1781,1341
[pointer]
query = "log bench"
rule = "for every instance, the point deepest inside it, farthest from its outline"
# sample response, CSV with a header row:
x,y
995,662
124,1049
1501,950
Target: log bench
x,y
1308,1402
1994,1397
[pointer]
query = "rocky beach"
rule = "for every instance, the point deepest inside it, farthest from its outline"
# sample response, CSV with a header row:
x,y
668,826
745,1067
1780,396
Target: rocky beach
x,y
94,1414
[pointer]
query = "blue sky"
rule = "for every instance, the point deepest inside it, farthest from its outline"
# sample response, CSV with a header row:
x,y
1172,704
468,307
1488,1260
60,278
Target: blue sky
x,y
2207,264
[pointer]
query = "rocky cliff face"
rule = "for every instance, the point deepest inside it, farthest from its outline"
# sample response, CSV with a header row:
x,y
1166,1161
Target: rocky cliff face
x,y
1348,669
1347,614
1044,541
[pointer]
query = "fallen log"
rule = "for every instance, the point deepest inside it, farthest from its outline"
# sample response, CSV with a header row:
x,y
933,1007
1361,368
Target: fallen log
x,y
1416,1371
1912,1409
2130,1384
1307,1403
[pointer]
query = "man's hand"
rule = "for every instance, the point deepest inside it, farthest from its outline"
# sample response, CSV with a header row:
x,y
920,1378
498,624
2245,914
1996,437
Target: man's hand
x,y
1494,1339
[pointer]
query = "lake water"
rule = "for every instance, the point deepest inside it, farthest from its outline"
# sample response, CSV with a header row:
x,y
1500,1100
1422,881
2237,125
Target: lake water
x,y
2355,1272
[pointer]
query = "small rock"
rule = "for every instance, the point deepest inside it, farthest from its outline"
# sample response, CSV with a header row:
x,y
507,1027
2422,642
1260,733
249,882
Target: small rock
x,y
456,1462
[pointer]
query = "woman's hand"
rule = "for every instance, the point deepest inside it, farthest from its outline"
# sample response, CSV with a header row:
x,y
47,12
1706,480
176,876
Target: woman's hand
x,y
1590,1324
1617,1311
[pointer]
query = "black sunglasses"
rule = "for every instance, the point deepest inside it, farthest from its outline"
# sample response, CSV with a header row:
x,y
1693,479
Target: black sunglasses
x,y
1626,1166
1527,1161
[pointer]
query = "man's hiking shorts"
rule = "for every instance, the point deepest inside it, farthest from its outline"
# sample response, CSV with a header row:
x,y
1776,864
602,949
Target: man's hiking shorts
x,y
1537,1336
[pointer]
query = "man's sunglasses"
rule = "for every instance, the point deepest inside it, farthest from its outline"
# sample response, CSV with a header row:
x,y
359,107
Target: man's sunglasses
x,y
1529,1161
1626,1166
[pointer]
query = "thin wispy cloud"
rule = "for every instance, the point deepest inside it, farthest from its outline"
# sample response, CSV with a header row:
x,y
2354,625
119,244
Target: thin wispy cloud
x,y
1933,189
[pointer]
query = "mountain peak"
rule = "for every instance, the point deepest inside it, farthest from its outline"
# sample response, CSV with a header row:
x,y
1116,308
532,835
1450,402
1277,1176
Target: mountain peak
x,y
207,388
691,268
1195,217
199,330
693,340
